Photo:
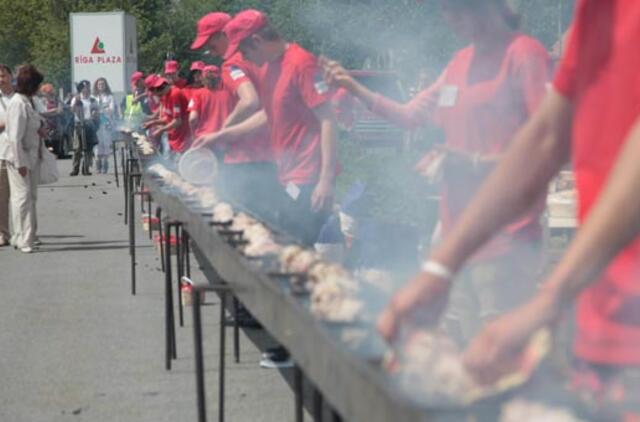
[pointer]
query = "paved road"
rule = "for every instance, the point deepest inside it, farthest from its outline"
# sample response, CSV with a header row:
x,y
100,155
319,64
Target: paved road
x,y
76,346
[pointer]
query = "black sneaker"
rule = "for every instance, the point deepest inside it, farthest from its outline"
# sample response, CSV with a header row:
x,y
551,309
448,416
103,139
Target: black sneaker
x,y
276,358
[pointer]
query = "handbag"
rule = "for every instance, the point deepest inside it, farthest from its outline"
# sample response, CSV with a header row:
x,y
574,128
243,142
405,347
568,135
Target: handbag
x,y
48,167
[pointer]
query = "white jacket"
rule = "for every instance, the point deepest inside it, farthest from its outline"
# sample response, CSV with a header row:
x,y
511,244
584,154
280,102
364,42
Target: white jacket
x,y
23,123
4,143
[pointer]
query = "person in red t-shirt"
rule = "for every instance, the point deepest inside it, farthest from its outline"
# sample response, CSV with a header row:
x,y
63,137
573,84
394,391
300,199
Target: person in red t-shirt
x,y
592,117
209,108
195,81
171,74
482,98
248,175
297,109
173,117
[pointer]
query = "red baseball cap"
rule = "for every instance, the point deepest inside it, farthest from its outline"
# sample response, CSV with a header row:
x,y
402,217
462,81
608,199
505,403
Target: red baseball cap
x,y
158,82
241,27
211,69
149,80
198,65
207,26
171,66
136,76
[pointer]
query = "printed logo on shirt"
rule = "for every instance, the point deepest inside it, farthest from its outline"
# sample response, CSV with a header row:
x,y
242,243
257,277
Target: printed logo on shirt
x,y
448,96
176,109
320,85
236,73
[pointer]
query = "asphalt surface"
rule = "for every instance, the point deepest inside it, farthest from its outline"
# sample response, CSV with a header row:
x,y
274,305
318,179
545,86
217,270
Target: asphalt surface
x,y
76,346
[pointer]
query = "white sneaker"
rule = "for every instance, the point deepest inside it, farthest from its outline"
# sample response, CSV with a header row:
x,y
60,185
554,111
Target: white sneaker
x,y
4,242
26,249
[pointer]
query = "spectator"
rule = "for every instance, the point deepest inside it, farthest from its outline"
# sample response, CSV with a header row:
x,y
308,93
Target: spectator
x,y
23,159
135,105
6,92
86,111
52,110
108,113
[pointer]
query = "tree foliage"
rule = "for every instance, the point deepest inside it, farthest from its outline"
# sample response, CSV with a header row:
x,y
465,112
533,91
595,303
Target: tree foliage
x,y
405,35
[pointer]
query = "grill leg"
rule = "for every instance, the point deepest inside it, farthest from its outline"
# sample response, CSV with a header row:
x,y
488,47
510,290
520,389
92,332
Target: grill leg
x,y
115,164
122,164
132,234
197,338
150,216
236,330
171,351
317,405
160,231
335,417
187,251
180,265
126,195
297,389
223,325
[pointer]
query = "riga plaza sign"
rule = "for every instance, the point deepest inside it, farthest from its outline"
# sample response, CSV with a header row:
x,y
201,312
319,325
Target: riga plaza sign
x,y
104,45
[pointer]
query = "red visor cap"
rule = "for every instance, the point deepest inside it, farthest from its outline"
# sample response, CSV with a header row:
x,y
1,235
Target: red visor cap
x,y
197,66
171,66
241,27
136,76
207,26
215,70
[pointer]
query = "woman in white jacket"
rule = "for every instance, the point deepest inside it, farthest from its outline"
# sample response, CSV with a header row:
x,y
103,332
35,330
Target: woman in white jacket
x,y
23,161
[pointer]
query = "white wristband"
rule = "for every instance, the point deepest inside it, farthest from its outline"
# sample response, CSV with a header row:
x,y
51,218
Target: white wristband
x,y
437,269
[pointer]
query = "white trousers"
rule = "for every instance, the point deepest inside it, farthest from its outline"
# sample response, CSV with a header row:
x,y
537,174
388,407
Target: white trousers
x,y
24,191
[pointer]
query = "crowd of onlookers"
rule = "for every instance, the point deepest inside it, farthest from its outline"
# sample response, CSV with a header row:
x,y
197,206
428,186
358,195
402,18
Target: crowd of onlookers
x,y
31,116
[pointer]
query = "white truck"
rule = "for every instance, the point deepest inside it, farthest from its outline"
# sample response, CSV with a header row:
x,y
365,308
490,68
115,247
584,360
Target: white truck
x,y
104,45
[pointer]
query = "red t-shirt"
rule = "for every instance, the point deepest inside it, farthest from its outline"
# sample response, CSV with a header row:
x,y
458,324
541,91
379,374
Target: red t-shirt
x,y
600,73
481,101
174,105
257,147
153,102
213,107
292,87
189,92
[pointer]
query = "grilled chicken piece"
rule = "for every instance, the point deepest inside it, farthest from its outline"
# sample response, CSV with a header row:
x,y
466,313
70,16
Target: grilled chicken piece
x,y
242,222
222,213
302,262
331,300
430,370
262,247
287,255
519,410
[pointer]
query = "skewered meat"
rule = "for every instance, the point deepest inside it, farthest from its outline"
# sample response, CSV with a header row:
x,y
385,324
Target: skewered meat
x,y
207,198
287,255
322,271
302,262
256,232
222,213
242,222
519,410
430,370
262,247
331,301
